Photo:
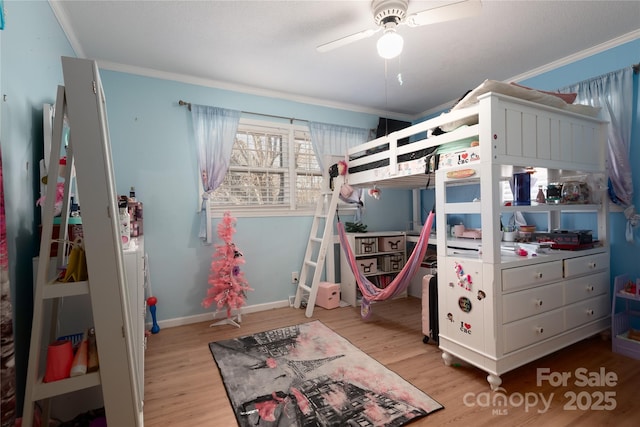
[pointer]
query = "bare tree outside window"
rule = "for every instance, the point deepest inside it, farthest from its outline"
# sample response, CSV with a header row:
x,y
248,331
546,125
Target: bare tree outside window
x,y
272,165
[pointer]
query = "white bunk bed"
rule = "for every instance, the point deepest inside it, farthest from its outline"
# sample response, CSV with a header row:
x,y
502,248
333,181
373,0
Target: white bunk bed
x,y
520,308
404,165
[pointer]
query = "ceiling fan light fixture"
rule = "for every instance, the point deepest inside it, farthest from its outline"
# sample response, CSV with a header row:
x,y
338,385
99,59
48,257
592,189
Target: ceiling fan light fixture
x,y
390,44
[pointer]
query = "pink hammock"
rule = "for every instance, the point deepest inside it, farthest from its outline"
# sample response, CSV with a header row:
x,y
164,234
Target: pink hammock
x,y
400,283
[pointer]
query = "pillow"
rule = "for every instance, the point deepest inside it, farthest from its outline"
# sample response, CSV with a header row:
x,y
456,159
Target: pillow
x,y
569,98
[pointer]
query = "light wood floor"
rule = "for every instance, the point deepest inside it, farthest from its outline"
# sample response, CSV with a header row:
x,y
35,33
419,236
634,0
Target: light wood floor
x,y
183,386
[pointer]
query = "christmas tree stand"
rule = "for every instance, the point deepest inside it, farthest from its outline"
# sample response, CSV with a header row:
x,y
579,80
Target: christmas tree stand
x,y
233,320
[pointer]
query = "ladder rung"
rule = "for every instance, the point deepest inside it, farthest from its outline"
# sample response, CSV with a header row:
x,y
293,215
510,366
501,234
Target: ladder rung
x,y
304,287
316,239
311,263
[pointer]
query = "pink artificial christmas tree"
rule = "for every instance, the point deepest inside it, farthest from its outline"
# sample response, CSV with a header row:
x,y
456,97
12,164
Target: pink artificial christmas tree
x,y
228,284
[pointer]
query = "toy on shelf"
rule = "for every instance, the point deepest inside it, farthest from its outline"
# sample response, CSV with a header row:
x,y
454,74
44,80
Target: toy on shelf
x,y
631,288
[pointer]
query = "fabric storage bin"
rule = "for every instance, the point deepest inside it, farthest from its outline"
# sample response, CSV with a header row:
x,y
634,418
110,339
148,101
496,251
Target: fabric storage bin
x,y
391,263
396,262
366,246
368,265
391,243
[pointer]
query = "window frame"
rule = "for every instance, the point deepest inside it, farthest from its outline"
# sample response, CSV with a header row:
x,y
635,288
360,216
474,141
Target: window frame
x,y
270,211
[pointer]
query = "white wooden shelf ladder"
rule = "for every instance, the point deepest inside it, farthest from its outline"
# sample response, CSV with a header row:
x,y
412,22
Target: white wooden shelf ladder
x,y
89,153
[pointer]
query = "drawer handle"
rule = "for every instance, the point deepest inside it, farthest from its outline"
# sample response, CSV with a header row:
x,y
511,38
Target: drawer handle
x,y
592,265
590,288
539,330
539,303
451,284
590,312
538,275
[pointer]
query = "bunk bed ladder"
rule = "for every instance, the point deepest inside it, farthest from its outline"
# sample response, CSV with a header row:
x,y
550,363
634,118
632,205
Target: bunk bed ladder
x,y
320,238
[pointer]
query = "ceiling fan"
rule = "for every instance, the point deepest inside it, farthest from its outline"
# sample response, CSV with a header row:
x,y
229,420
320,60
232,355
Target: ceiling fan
x,y
389,14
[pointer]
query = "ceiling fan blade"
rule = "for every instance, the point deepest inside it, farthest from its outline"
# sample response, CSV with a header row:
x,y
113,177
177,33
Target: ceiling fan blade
x,y
346,40
450,12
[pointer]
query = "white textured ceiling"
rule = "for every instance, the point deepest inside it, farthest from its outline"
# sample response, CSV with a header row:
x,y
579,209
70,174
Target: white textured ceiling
x,y
269,47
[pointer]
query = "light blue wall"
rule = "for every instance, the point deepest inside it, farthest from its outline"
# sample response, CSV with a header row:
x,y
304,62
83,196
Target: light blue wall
x,y
31,45
587,68
153,150
624,255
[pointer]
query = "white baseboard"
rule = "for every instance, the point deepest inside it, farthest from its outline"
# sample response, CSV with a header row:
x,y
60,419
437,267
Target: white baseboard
x,y
205,317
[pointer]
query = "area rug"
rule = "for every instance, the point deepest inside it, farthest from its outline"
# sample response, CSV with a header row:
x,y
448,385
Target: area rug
x,y
308,375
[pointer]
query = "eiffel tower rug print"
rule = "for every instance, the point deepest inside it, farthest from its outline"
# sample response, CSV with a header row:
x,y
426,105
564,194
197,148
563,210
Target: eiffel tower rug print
x,y
307,375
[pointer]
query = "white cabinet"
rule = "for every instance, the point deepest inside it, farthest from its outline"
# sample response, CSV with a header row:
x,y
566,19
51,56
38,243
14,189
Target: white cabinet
x,y
379,256
500,309
75,317
134,260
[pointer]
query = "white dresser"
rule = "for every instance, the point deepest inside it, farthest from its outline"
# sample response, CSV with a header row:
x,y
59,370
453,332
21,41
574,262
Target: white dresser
x,y
500,308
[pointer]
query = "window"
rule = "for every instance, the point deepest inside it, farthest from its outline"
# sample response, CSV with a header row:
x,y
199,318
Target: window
x,y
273,167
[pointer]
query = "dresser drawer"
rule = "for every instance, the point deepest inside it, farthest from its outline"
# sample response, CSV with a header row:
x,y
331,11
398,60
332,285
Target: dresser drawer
x,y
531,275
585,287
585,264
533,329
587,311
519,305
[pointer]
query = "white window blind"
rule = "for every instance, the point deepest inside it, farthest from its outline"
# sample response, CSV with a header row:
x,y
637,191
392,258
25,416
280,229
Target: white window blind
x,y
273,166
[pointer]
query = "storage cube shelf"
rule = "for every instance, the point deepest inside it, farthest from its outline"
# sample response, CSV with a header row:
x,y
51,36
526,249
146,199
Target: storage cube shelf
x,y
379,256
621,320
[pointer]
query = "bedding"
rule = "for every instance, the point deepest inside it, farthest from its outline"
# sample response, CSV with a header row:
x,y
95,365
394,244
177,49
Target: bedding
x,y
569,98
522,92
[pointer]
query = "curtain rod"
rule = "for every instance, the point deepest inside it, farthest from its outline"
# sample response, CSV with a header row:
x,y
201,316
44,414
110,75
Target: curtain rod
x,y
291,119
